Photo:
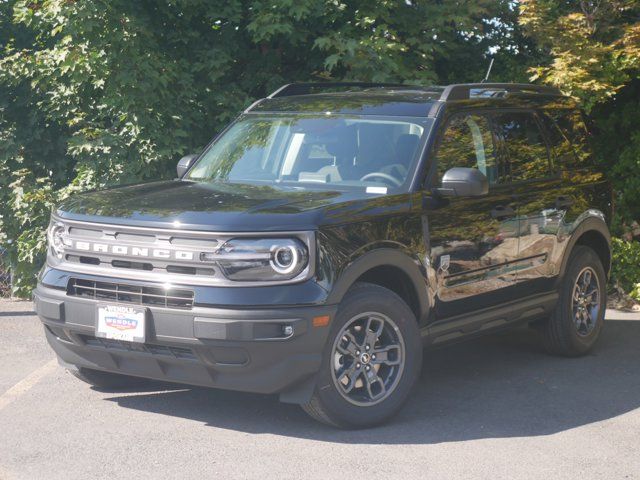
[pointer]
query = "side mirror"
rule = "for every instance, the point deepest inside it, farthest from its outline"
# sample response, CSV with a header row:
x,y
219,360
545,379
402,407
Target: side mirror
x,y
463,182
184,164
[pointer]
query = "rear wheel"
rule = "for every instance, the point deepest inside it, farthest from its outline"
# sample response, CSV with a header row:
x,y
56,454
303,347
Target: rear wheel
x,y
577,321
106,380
371,361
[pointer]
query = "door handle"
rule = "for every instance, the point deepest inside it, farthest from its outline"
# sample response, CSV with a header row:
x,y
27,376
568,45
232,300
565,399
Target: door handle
x,y
563,201
501,211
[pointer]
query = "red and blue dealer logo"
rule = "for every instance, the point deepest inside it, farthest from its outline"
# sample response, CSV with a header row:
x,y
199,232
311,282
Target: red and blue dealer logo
x,y
120,322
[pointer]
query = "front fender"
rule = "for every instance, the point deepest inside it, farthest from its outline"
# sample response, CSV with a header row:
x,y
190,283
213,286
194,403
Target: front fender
x,y
590,221
396,258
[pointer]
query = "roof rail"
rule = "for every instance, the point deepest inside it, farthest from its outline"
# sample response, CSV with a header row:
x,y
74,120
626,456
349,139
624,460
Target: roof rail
x,y
306,88
464,91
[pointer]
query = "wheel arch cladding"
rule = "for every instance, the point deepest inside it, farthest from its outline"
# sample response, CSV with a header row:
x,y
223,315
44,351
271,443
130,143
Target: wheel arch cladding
x,y
593,233
598,243
391,269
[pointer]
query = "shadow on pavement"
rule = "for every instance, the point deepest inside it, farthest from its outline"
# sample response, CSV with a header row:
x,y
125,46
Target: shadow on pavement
x,y
499,386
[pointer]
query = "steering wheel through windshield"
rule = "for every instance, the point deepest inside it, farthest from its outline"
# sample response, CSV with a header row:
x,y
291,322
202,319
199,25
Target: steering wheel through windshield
x,y
384,176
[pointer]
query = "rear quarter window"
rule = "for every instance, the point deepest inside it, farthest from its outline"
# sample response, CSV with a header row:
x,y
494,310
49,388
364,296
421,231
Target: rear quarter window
x,y
569,138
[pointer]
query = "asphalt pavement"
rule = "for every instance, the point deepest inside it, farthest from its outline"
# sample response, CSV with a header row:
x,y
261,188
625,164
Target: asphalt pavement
x,y
494,408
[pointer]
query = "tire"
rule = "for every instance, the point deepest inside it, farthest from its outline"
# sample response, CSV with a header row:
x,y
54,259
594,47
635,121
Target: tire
x,y
561,333
399,350
107,381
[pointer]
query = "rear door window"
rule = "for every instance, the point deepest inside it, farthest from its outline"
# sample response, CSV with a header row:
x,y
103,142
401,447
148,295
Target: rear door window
x,y
525,156
574,148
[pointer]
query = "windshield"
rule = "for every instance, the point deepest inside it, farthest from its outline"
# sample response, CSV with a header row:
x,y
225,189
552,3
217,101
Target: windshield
x,y
323,151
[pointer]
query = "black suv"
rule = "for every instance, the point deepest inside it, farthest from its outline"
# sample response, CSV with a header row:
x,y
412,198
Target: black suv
x,y
328,234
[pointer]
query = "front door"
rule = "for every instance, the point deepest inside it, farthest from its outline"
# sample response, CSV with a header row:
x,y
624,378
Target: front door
x,y
473,240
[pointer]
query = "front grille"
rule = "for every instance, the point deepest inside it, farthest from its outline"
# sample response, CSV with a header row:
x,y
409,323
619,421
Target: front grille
x,y
125,293
106,343
163,252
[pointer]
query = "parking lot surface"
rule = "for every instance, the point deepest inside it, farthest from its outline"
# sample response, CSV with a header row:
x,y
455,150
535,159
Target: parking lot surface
x,y
497,407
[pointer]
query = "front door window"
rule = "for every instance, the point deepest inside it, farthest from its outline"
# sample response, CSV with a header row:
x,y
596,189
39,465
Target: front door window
x,y
468,142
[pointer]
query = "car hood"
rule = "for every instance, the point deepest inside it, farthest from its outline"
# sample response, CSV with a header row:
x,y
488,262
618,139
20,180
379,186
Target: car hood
x,y
222,207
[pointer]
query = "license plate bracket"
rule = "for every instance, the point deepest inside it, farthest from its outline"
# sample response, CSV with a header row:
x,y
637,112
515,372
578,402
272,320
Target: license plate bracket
x,y
121,322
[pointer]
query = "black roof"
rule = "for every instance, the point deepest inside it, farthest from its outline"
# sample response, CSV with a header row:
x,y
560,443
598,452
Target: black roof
x,y
397,99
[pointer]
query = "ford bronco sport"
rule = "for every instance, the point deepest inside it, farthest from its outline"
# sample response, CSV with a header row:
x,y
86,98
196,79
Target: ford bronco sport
x,y
328,234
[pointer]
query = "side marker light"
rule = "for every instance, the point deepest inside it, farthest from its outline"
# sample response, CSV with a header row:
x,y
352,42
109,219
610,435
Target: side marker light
x,y
321,321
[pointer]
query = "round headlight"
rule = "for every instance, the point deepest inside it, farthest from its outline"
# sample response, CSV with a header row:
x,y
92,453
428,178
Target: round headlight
x,y
284,259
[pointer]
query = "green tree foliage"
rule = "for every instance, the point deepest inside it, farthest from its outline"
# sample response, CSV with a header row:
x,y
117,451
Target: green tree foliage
x,y
594,44
618,146
98,92
626,266
594,55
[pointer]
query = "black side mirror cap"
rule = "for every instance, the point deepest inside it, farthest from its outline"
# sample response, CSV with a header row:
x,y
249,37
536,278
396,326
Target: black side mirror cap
x,y
184,164
463,182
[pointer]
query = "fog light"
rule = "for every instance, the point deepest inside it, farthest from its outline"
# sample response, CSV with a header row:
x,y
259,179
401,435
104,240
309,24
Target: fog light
x,y
287,330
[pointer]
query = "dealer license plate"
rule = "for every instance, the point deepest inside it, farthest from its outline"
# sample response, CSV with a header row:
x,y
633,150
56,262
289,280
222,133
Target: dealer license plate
x,y
120,322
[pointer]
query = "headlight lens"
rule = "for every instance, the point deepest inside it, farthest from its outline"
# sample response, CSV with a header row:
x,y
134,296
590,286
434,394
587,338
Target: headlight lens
x,y
56,238
258,260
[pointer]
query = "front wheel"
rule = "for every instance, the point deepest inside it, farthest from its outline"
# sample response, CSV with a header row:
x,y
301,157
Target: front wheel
x,y
371,361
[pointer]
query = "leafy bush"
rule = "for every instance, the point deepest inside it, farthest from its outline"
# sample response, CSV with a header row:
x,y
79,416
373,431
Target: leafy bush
x,y
626,266
5,275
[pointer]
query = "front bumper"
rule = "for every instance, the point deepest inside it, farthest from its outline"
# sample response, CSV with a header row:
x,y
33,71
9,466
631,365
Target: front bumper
x,y
235,349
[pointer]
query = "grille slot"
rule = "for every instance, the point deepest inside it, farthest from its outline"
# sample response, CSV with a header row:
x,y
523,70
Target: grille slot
x,y
134,265
181,269
175,352
190,270
140,295
89,260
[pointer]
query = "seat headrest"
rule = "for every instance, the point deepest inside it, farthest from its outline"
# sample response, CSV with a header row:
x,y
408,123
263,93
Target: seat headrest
x,y
345,145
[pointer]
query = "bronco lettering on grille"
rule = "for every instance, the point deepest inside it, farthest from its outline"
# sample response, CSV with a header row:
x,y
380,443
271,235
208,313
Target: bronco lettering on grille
x,y
134,251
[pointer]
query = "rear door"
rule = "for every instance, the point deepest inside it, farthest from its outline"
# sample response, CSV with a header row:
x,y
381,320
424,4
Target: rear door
x,y
526,165
473,240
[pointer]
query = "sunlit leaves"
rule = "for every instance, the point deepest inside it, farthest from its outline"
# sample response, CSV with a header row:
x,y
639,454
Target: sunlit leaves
x,y
595,46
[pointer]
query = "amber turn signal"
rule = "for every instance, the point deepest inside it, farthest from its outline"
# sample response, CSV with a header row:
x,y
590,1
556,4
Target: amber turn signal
x,y
321,321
